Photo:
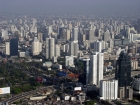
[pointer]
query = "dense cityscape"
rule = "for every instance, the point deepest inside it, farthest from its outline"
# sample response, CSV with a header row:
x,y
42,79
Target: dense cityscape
x,y
69,59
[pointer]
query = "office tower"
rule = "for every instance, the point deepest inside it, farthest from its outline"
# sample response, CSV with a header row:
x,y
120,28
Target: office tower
x,y
96,68
57,50
98,33
98,46
69,61
7,48
108,89
36,47
83,37
73,48
14,47
70,26
91,34
49,30
107,36
68,35
123,75
62,34
85,63
49,48
75,34
40,37
130,37
4,33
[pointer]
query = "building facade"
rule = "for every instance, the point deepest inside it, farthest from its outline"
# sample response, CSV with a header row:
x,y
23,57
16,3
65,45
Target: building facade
x,y
123,75
108,89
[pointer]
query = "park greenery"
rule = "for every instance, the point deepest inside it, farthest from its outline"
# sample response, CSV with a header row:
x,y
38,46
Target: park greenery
x,y
17,77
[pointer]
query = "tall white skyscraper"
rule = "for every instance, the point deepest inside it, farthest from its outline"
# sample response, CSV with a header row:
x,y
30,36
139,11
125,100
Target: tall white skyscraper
x,y
50,30
36,47
73,48
75,34
91,34
57,50
68,34
7,48
108,89
96,68
49,48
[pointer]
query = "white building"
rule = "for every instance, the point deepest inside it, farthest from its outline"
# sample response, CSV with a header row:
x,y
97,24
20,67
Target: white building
x,y
108,89
134,64
68,34
49,48
69,61
36,47
75,34
22,54
96,68
73,48
57,50
7,48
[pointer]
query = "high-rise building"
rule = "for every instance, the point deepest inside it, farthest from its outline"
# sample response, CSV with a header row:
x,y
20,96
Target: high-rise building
x,y
69,61
40,37
68,35
49,48
108,89
91,34
7,48
85,62
57,50
73,48
107,36
123,75
96,68
75,34
14,47
36,46
98,46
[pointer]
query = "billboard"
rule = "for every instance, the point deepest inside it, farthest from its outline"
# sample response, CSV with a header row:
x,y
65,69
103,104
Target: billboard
x,y
5,90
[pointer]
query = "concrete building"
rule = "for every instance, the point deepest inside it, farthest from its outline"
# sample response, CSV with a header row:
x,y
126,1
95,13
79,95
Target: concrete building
x,y
68,35
136,86
134,64
50,48
7,48
123,75
107,36
36,46
69,61
108,89
73,48
96,68
98,46
75,34
57,50
40,37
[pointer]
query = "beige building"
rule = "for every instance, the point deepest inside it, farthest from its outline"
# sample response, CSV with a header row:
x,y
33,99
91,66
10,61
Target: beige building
x,y
134,64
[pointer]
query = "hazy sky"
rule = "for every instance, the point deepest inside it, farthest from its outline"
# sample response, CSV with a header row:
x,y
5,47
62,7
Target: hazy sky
x,y
69,6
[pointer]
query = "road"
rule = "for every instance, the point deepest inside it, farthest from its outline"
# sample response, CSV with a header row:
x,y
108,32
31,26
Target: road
x,y
24,95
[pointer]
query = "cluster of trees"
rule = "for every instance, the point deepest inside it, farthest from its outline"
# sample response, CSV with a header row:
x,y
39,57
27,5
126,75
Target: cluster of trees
x,y
16,78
